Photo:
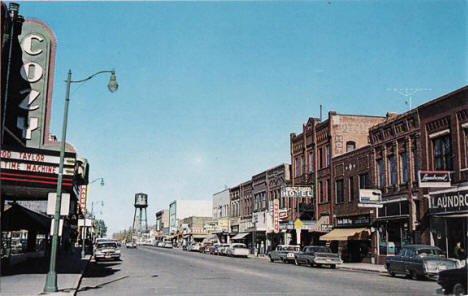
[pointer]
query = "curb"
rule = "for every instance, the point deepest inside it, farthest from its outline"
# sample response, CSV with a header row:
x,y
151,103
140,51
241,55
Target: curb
x,y
360,269
77,283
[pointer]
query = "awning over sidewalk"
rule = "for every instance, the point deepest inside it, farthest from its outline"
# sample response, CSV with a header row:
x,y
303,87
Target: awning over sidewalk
x,y
16,217
342,234
240,235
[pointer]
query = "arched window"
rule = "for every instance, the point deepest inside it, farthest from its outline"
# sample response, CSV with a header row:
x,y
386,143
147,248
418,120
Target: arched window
x,y
350,146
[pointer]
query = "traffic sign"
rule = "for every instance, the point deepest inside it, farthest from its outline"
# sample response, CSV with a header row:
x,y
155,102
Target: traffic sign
x,y
298,223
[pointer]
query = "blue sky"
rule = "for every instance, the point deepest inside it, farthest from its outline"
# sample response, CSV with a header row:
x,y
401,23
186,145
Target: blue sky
x,y
210,91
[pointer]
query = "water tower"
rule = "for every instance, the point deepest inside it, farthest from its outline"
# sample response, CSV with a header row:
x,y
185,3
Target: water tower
x,y
141,203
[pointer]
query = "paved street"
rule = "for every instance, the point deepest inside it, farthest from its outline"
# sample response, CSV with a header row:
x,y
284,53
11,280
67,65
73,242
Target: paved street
x,y
156,271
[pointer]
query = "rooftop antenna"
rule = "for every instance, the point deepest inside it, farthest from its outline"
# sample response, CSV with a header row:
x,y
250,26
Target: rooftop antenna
x,y
408,93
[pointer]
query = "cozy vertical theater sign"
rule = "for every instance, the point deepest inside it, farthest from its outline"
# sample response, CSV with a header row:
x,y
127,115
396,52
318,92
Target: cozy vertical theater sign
x,y
28,100
30,157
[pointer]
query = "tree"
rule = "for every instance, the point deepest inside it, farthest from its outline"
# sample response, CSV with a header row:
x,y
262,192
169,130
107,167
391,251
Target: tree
x,y
100,227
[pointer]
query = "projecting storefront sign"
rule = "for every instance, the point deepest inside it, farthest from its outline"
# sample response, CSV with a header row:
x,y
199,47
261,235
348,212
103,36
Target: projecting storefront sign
x,y
297,191
370,198
83,197
434,179
276,215
451,200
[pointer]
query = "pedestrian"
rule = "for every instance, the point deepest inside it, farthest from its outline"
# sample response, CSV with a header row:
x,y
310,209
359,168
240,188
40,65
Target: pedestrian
x,y
459,251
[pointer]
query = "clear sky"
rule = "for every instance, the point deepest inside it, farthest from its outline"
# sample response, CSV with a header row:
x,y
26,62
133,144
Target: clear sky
x,y
210,91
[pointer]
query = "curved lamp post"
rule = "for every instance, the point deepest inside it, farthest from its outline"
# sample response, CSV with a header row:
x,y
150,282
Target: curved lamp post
x,y
97,179
51,280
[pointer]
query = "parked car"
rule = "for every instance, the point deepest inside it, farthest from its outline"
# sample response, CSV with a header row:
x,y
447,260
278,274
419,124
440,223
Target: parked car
x,y
284,253
168,245
107,250
317,255
195,247
185,246
419,261
130,244
453,281
205,247
237,250
222,249
214,248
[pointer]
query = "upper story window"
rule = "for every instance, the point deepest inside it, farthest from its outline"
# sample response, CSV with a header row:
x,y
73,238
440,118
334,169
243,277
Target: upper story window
x,y
350,146
441,152
465,132
322,197
415,162
302,165
296,161
311,161
263,200
320,158
339,191
328,190
392,169
403,168
381,173
364,181
351,189
328,155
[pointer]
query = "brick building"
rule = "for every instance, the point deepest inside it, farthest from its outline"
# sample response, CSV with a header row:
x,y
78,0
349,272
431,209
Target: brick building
x,y
312,153
444,147
394,169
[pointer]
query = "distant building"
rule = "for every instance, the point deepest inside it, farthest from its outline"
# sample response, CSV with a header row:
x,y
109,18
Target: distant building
x,y
221,215
162,222
180,209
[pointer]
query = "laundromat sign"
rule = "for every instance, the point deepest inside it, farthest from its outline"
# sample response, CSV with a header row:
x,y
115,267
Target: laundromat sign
x,y
449,201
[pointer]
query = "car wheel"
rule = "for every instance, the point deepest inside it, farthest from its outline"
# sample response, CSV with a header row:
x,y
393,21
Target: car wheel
x,y
333,266
390,272
458,290
271,259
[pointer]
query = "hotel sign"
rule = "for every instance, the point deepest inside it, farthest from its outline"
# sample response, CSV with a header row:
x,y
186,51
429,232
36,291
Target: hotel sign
x,y
297,191
434,179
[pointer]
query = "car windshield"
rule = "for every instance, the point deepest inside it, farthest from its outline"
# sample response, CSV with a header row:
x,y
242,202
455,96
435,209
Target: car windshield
x,y
428,252
107,245
239,246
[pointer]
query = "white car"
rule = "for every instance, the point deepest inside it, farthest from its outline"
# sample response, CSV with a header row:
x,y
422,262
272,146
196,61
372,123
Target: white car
x,y
237,250
195,247
130,244
168,245
107,250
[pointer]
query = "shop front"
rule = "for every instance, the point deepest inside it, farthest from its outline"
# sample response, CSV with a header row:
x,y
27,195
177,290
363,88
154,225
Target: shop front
x,y
393,226
448,210
352,238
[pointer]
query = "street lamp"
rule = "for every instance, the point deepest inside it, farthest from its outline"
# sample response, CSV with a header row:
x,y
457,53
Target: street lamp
x,y
97,179
51,280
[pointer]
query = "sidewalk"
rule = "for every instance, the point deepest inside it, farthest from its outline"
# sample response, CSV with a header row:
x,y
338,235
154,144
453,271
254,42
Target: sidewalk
x,y
28,276
362,267
345,266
